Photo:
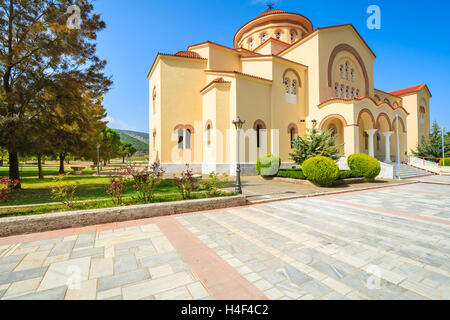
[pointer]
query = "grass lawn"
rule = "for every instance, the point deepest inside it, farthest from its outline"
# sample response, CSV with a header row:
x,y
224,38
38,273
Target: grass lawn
x,y
35,191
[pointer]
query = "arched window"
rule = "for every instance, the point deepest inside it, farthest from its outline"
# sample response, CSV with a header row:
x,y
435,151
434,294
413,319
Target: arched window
x,y
352,74
263,38
422,114
341,71
378,141
346,70
154,100
341,92
357,93
188,139
353,93
294,87
250,45
336,90
208,134
154,140
258,136
347,93
287,85
292,36
278,35
180,139
292,136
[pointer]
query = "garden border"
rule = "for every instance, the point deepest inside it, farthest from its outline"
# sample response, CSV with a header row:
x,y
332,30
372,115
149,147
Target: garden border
x,y
73,219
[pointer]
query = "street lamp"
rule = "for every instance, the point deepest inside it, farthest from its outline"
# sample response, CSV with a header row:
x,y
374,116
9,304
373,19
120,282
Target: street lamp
x,y
238,124
98,159
398,147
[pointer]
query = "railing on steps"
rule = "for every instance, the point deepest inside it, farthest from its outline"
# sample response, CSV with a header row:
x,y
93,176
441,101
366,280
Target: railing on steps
x,y
425,161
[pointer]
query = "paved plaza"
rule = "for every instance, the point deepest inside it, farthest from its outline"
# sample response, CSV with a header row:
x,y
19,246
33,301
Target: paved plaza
x,y
390,243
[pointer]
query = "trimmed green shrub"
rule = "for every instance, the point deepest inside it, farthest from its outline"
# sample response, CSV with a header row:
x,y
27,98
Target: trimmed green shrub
x,y
348,174
268,166
364,165
321,170
291,174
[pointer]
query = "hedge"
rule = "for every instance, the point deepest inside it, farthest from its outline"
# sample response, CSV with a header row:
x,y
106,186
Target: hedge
x,y
321,170
264,165
364,165
291,174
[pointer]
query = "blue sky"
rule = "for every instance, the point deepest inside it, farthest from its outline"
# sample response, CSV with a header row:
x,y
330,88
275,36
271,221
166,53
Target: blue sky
x,y
412,46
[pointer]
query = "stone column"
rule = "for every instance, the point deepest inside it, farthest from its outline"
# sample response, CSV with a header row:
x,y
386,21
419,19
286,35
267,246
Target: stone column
x,y
388,135
371,133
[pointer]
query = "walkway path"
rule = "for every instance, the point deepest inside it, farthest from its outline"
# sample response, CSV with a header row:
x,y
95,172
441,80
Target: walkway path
x,y
388,243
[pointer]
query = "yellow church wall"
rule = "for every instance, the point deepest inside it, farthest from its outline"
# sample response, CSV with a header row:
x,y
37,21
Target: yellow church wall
x,y
181,82
219,57
258,67
155,114
417,130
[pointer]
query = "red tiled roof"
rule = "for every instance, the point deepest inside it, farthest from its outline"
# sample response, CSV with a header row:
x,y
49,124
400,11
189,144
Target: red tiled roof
x,y
217,80
269,12
408,90
188,54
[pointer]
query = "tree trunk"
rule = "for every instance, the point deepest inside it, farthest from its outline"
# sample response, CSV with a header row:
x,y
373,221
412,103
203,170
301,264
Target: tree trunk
x,y
104,163
123,159
61,163
41,174
1,162
14,173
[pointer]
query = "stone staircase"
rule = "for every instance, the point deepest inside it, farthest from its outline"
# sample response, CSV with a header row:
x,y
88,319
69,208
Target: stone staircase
x,y
407,171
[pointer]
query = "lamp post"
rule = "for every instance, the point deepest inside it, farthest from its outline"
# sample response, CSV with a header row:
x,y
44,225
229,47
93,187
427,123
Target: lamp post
x,y
238,125
398,147
98,159
443,147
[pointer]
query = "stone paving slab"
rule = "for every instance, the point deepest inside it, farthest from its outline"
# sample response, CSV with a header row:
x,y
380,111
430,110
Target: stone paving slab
x,y
330,248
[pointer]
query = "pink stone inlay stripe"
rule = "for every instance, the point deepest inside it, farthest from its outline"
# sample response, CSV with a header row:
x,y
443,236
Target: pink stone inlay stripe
x,y
397,213
221,280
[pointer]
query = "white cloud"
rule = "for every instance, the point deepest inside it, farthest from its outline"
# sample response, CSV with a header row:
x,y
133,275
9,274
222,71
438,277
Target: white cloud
x,y
118,124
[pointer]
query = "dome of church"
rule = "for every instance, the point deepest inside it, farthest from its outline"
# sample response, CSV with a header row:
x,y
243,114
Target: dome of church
x,y
287,27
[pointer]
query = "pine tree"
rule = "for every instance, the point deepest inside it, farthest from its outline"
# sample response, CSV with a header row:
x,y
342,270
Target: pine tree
x,y
431,145
316,143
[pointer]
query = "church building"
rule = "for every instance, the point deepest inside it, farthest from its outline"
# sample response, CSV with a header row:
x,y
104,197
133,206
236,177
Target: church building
x,y
282,76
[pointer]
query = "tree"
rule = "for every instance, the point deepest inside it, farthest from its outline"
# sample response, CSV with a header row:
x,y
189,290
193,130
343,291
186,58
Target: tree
x,y
316,143
3,155
38,47
126,150
431,145
109,145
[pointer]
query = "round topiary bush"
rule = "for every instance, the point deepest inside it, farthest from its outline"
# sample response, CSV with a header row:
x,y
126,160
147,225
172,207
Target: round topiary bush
x,y
364,165
268,166
321,170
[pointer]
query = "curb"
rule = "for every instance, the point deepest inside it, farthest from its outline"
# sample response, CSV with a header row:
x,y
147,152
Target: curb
x,y
75,219
323,194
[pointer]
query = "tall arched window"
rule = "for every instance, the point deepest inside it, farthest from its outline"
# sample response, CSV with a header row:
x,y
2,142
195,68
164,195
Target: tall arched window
x,y
287,85
294,87
346,70
208,134
353,93
341,92
292,36
258,136
336,90
352,74
341,71
347,93
250,44
357,93
278,35
188,139
154,100
292,136
180,139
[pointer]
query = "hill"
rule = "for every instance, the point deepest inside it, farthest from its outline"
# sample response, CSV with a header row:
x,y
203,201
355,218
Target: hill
x,y
139,140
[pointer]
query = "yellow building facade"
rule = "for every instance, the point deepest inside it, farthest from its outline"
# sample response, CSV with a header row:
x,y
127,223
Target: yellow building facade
x,y
282,77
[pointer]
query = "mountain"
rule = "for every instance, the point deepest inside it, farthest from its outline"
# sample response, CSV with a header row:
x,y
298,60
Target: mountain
x,y
139,140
